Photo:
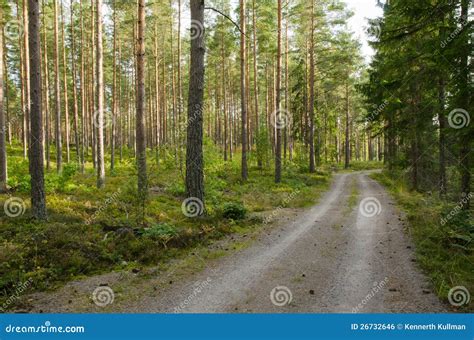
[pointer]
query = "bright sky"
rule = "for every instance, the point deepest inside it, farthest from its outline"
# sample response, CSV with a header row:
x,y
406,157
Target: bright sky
x,y
363,10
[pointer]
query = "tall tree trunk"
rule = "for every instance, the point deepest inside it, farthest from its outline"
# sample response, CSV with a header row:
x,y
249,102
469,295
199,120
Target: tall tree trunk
x,y
465,103
141,99
280,123
3,127
23,82
67,129
38,197
8,130
224,97
287,137
74,87
47,119
83,93
27,72
347,144
99,115
312,165
57,92
442,138
255,83
194,154
114,92
243,89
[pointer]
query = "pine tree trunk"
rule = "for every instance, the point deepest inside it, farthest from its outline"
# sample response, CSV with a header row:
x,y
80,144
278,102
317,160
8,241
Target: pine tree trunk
x,y
3,127
312,165
57,90
281,122
65,87
114,91
141,99
465,103
83,94
442,139
243,89
38,197
194,154
27,73
99,114
347,144
255,83
74,87
47,119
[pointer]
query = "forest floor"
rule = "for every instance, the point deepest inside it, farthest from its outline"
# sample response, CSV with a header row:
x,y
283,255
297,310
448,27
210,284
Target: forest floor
x,y
352,252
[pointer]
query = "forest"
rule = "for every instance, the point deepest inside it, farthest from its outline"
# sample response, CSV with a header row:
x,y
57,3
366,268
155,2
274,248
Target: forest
x,y
135,134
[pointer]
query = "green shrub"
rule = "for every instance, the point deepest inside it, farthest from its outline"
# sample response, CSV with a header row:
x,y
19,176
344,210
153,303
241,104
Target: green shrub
x,y
161,232
234,211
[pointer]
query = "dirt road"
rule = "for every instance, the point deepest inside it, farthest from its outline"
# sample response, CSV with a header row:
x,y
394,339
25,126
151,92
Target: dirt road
x,y
339,256
349,253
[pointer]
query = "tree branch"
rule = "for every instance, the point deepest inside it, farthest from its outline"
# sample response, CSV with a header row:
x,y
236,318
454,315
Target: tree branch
x,y
227,17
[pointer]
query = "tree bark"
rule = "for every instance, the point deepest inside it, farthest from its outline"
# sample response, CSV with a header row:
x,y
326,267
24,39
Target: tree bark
x,y
194,154
57,90
114,92
312,165
141,99
3,127
465,103
47,119
442,138
67,129
243,89
280,123
347,144
38,197
99,114
74,87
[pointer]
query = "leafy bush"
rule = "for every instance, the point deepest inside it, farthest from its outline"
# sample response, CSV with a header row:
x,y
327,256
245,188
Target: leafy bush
x,y
234,211
161,232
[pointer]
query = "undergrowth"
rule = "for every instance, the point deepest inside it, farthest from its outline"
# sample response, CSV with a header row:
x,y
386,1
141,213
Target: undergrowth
x,y
443,234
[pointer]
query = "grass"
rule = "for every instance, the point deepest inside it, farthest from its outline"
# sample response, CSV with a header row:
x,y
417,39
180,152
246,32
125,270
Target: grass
x,y
92,231
444,246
